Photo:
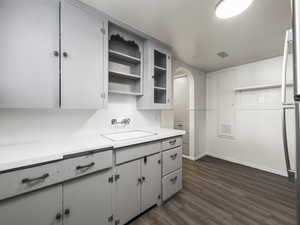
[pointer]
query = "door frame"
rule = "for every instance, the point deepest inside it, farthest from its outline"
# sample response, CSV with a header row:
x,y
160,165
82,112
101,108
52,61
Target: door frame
x,y
183,72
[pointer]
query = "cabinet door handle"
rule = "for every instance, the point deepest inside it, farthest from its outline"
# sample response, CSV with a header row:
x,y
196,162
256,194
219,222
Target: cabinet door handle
x,y
139,181
65,54
58,216
30,180
143,179
56,53
173,157
67,212
86,166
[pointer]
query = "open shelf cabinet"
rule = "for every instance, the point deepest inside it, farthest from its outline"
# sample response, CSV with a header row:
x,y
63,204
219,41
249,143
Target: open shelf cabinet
x,y
125,62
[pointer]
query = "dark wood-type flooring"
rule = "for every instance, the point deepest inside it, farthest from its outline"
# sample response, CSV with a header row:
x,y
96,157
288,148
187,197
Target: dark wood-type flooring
x,y
217,192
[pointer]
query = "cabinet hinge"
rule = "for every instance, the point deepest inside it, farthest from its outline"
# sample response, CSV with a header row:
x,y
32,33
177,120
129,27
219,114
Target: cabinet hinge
x,y
103,30
117,177
111,179
117,222
111,218
103,95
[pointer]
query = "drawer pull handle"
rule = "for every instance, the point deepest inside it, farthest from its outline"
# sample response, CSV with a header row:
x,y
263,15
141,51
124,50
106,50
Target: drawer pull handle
x,y
30,180
172,142
86,166
173,180
173,157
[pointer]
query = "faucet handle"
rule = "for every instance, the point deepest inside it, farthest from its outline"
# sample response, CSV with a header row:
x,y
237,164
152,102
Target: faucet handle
x,y
126,121
114,121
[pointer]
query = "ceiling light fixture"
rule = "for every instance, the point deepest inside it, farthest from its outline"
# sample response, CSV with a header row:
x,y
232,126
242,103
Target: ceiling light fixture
x,y
230,8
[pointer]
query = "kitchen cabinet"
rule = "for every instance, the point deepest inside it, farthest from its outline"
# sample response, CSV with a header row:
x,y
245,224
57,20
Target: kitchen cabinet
x,y
171,167
128,195
158,78
138,183
151,178
53,54
28,41
88,200
80,188
125,62
42,207
83,47
72,202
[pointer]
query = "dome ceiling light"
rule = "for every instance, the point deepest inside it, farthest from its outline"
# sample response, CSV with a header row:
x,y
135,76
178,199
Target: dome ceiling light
x,y
230,8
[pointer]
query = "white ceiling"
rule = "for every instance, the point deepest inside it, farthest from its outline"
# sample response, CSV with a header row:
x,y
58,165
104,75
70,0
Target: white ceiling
x,y
196,35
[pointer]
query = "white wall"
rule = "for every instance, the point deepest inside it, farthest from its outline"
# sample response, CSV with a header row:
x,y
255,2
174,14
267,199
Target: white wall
x,y
255,116
19,126
198,107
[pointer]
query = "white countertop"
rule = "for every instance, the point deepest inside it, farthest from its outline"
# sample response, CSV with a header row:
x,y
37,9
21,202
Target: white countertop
x,y
21,155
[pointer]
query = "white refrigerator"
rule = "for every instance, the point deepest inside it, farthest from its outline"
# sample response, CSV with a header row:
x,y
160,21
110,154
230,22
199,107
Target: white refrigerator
x,y
292,41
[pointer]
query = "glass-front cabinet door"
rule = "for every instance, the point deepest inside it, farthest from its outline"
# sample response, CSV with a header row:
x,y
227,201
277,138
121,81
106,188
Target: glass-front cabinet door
x,y
158,79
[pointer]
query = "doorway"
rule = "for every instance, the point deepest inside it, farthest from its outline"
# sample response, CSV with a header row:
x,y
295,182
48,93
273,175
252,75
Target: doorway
x,y
184,118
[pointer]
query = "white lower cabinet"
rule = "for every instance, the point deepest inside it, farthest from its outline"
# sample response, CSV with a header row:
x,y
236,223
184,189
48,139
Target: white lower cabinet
x,y
171,167
42,207
85,200
151,178
138,187
128,191
89,189
88,200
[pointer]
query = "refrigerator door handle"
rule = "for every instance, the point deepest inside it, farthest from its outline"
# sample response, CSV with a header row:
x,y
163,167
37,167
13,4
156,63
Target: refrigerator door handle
x,y
290,172
288,41
285,105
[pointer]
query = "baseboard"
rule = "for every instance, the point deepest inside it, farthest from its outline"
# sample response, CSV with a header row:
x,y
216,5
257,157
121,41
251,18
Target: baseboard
x,y
252,165
194,158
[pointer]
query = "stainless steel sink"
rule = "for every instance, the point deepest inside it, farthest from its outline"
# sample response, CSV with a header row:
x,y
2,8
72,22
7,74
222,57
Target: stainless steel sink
x,y
127,135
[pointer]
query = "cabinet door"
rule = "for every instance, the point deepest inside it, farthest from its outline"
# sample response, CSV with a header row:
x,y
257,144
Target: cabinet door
x,y
128,191
169,82
83,69
151,176
88,200
35,208
28,67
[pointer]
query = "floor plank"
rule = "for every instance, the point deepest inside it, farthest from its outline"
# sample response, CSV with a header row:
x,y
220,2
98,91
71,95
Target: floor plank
x,y
218,192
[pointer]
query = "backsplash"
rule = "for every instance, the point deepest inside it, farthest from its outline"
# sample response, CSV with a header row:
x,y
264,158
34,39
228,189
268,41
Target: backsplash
x,y
22,126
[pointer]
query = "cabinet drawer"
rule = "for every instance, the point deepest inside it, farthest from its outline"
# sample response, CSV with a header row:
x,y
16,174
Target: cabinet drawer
x,y
135,152
171,143
172,183
26,180
87,164
172,160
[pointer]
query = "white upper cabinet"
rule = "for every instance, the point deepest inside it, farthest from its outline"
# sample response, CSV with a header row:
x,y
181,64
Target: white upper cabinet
x,y
53,54
83,47
125,62
29,69
158,78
